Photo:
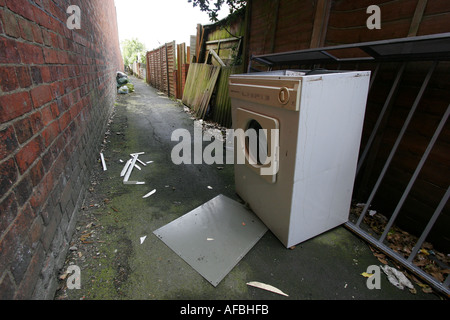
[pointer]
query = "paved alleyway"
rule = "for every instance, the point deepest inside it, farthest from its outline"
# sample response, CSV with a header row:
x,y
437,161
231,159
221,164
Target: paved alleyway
x,y
115,265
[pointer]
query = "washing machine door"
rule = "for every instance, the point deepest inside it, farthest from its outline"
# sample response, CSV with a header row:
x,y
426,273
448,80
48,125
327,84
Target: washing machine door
x,y
257,143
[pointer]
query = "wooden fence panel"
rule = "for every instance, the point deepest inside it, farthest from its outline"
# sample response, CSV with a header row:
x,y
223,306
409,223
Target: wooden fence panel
x,y
162,65
200,84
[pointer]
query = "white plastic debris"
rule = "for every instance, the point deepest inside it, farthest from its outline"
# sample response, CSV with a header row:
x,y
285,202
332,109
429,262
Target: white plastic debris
x,y
128,168
103,161
143,239
149,194
267,287
396,277
142,162
125,168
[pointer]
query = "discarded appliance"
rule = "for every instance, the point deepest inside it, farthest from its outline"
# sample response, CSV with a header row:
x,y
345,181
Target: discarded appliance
x,y
299,179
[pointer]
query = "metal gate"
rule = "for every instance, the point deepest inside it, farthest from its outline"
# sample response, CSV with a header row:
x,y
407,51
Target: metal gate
x,y
433,49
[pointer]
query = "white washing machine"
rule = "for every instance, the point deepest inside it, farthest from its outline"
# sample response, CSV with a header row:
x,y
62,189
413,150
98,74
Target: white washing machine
x,y
299,178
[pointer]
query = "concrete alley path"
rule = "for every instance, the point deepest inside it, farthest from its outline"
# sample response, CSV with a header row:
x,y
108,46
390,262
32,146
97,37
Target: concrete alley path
x,y
115,265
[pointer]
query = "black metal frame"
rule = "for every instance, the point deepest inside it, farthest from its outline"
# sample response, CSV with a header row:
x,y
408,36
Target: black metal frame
x,y
429,47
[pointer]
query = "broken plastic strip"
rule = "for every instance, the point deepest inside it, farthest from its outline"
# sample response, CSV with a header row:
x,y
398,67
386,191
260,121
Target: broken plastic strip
x,y
130,168
149,194
142,162
125,168
103,161
133,182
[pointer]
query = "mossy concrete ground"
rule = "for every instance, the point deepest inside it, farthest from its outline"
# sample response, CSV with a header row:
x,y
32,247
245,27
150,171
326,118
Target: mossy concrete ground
x,y
115,264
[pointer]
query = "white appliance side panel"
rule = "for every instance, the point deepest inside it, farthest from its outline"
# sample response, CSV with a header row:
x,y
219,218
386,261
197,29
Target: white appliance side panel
x,y
331,119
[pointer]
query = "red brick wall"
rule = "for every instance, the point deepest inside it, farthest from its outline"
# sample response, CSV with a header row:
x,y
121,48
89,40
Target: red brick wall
x,y
57,90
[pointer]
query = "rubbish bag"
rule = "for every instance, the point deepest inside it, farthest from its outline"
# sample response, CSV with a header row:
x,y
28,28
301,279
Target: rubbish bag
x,y
124,90
122,81
130,87
120,74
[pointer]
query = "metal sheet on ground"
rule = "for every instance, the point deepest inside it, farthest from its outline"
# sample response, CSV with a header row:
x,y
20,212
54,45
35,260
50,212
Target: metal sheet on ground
x,y
214,237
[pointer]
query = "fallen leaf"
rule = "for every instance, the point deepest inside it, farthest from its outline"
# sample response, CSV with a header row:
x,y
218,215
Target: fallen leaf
x,y
413,290
267,287
381,257
366,275
427,289
85,236
63,276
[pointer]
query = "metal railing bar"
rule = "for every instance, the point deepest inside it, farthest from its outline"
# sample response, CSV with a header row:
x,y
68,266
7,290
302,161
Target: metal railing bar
x,y
380,117
442,287
416,172
397,143
360,59
372,136
374,75
329,55
447,282
430,224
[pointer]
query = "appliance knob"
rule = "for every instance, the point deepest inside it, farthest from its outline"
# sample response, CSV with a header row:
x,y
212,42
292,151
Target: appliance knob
x,y
283,95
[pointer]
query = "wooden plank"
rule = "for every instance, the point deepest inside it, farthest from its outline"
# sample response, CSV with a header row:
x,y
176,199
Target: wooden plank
x,y
200,84
274,25
171,67
417,18
320,22
209,91
216,56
